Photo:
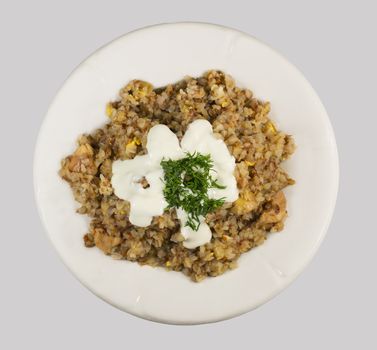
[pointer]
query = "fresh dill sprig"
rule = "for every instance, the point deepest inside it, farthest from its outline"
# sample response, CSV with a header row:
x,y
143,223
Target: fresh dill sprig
x,y
187,182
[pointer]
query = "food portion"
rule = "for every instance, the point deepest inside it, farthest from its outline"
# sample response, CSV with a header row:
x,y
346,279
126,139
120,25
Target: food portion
x,y
186,176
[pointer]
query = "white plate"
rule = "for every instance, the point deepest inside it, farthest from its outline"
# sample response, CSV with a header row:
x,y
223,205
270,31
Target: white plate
x,y
163,54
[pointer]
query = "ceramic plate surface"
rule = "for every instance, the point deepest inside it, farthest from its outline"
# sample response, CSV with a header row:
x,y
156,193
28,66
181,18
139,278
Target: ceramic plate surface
x,y
164,54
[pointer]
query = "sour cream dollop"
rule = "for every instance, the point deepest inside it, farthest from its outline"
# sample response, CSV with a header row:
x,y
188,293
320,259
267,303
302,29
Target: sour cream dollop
x,y
145,203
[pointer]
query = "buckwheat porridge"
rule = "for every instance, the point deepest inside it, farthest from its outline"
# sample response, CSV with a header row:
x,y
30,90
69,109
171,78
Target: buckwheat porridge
x,y
186,176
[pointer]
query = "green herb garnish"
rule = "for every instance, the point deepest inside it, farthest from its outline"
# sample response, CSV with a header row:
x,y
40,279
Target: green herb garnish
x,y
187,182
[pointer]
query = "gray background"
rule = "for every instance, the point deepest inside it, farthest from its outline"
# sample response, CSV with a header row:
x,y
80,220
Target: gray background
x,y
332,304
